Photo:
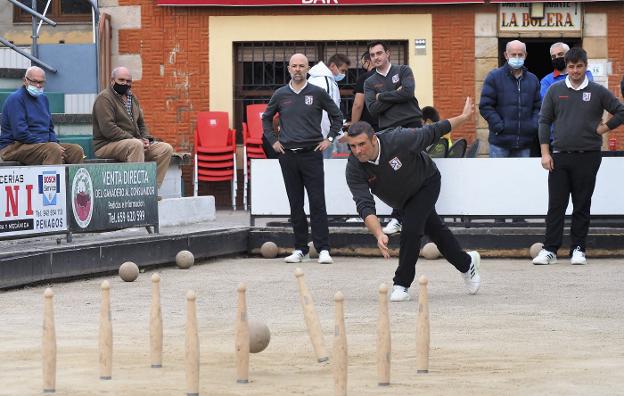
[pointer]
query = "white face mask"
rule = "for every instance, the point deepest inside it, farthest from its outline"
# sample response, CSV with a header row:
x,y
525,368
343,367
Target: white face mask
x,y
34,91
515,63
339,77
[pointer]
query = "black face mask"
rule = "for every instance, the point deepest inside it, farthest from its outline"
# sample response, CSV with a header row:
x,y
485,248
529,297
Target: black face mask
x,y
121,89
559,64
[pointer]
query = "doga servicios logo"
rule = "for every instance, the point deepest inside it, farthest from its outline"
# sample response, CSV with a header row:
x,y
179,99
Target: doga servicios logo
x,y
82,198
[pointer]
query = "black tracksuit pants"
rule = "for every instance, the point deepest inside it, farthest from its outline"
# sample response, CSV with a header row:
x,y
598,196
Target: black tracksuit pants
x,y
305,169
420,218
574,174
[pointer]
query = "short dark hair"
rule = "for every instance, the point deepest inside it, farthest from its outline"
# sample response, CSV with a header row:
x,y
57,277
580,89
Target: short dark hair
x,y
366,56
360,127
575,55
430,113
372,44
339,60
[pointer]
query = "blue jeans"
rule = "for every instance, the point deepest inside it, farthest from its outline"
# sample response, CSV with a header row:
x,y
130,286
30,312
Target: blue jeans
x,y
501,152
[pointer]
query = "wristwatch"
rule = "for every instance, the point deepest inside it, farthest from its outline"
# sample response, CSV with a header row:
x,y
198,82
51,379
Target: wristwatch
x,y
330,138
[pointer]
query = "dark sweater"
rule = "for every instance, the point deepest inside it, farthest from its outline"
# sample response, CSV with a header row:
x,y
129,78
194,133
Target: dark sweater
x,y
403,167
394,107
576,115
300,116
26,119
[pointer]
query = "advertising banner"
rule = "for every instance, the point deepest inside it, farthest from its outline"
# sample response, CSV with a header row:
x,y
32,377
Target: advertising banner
x,y
111,196
33,200
274,3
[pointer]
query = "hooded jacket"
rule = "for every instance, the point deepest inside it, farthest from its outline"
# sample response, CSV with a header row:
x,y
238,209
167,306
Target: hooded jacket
x,y
322,77
511,107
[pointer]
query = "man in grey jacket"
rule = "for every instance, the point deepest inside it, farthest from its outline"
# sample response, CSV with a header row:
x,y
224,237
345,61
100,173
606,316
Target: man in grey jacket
x,y
300,145
574,107
393,166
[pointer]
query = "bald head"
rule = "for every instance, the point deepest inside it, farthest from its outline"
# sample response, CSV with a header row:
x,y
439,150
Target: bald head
x,y
515,46
35,76
35,72
121,72
298,67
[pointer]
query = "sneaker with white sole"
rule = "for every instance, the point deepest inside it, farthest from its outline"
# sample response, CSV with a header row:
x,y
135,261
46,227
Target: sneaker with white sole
x,y
392,227
297,256
578,257
324,257
545,257
472,279
399,293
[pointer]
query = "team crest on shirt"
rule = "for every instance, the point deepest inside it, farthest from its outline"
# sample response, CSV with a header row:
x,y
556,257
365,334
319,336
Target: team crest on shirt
x,y
395,163
395,79
586,96
309,99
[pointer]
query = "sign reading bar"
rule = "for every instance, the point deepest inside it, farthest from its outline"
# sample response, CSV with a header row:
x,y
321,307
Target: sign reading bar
x,y
557,17
273,3
32,199
111,196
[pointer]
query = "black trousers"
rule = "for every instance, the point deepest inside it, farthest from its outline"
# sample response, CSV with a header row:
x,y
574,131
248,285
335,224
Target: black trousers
x,y
573,174
420,218
305,170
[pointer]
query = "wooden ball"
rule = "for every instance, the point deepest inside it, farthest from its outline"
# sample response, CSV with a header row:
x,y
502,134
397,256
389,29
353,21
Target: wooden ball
x,y
535,249
129,271
184,259
269,250
430,251
259,336
312,250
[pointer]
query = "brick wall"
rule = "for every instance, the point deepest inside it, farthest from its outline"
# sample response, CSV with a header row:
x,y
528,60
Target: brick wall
x,y
615,31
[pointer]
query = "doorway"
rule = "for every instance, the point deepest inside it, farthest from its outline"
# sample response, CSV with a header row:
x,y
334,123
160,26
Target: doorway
x,y
538,52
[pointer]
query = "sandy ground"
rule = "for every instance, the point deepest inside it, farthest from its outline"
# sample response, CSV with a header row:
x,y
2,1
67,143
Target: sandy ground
x,y
531,330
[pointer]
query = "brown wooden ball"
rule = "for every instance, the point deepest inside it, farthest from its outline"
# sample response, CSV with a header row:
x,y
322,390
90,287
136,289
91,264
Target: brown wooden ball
x,y
185,259
535,249
259,336
430,251
269,250
129,271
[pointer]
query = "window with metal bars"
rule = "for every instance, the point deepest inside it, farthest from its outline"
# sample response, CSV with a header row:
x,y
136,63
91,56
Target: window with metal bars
x,y
58,11
261,67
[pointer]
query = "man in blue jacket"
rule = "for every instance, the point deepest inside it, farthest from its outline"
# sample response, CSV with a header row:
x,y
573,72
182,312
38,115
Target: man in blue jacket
x,y
27,130
510,103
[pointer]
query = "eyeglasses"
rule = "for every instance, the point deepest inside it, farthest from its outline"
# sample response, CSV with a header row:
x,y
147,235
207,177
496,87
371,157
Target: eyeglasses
x,y
36,81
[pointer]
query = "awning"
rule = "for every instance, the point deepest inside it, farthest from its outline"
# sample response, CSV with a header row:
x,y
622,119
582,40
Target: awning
x,y
309,3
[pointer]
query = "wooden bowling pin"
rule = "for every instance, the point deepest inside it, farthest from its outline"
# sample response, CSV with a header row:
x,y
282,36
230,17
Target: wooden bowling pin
x,y
106,334
156,325
339,357
191,346
422,336
383,338
242,338
311,318
48,345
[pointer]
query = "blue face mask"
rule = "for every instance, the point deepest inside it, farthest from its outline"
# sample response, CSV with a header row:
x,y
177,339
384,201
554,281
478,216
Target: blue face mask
x,y
339,77
515,63
34,91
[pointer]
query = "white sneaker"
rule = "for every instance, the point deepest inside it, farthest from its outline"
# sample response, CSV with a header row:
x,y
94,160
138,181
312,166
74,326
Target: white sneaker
x,y
399,293
392,227
578,257
324,257
297,256
545,257
472,279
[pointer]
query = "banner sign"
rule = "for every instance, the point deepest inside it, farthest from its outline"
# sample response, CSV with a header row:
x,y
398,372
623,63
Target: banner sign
x,y
33,200
111,196
274,3
556,17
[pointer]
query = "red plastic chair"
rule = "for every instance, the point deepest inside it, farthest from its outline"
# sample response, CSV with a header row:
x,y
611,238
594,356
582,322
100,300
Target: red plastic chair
x,y
252,142
215,150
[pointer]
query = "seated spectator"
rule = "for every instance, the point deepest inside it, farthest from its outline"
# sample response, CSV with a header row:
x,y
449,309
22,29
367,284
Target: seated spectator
x,y
27,130
119,130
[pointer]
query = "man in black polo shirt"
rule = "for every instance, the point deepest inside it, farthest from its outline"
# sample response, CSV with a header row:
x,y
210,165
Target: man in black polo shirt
x,y
389,93
300,145
574,107
393,166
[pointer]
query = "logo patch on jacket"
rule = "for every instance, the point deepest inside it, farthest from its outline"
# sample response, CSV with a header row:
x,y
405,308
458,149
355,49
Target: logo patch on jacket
x,y
395,163
586,96
395,79
309,99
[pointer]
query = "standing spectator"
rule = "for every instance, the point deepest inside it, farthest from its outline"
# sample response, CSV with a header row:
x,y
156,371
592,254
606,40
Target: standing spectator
x,y
119,130
327,78
393,166
300,144
359,111
27,130
575,108
510,103
389,95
